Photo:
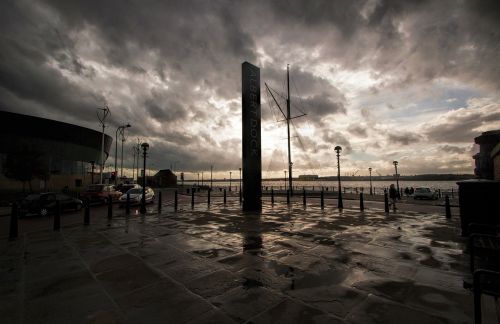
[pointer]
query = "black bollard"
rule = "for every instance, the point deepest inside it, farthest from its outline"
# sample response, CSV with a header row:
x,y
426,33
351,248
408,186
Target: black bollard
x,y
447,206
175,200
361,202
225,196
159,201
304,202
127,204
322,199
272,196
439,193
86,214
208,197
386,201
288,197
192,198
13,231
110,207
57,217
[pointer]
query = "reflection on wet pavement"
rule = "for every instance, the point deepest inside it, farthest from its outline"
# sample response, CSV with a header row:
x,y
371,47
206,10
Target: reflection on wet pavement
x,y
287,265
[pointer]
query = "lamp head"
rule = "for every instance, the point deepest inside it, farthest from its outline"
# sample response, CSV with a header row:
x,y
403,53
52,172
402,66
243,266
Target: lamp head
x,y
145,146
338,149
395,162
370,169
128,125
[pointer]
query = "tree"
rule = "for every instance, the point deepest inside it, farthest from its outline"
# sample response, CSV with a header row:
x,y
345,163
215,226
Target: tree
x,y
24,163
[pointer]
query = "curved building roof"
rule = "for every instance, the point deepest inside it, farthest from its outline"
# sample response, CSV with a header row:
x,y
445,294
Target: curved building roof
x,y
54,138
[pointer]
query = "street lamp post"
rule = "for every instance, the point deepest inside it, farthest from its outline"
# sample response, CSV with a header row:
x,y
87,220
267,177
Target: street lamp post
x,y
120,129
145,147
102,120
371,188
202,178
198,181
285,179
230,178
396,175
338,149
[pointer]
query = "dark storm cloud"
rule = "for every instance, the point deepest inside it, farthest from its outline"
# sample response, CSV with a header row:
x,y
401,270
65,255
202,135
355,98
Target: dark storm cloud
x,y
310,94
165,106
453,149
403,137
462,125
358,130
62,59
336,138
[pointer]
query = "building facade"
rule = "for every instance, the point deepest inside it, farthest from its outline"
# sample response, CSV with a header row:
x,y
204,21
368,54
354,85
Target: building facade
x,y
62,154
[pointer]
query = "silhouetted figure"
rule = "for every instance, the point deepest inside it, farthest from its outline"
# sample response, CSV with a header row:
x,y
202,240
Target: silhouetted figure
x,y
407,191
412,191
393,195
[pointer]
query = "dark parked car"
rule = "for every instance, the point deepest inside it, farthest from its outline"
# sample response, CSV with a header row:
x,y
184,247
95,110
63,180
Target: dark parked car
x,y
45,203
101,193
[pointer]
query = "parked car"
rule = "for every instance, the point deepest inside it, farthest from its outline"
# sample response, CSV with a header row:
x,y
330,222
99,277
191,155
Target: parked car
x,y
45,203
124,187
425,193
101,193
136,196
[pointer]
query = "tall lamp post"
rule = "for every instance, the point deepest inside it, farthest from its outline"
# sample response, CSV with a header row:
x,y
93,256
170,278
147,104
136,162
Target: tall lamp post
x,y
145,147
102,119
371,187
202,178
120,129
230,179
396,175
338,149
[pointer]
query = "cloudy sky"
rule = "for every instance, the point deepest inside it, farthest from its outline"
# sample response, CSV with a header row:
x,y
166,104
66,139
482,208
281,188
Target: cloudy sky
x,y
413,81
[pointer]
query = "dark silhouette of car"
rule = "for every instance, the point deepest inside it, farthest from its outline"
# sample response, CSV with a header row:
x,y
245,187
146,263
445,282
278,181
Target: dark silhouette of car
x,y
45,203
100,193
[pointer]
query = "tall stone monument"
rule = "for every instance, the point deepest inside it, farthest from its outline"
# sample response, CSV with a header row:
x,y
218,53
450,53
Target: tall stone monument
x,y
252,157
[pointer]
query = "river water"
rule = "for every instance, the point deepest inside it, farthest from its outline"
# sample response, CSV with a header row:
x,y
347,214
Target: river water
x,y
442,185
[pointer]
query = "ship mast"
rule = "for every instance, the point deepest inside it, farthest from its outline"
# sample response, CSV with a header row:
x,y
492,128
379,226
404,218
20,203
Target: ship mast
x,y
288,118
290,177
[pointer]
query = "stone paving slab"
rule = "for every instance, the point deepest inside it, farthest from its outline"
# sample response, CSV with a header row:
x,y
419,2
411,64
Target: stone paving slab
x,y
220,265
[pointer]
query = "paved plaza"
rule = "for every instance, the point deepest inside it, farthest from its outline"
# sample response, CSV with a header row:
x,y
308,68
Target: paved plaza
x,y
219,265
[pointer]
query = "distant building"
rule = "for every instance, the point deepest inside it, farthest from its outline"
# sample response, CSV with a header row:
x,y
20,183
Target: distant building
x,y
308,177
486,160
165,178
64,151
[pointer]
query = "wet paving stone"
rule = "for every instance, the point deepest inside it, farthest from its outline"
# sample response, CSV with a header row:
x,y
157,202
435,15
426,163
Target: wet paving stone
x,y
163,301
289,311
336,299
243,303
219,265
123,280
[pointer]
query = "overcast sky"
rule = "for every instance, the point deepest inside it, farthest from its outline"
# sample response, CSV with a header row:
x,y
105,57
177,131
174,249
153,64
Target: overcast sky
x,y
413,81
